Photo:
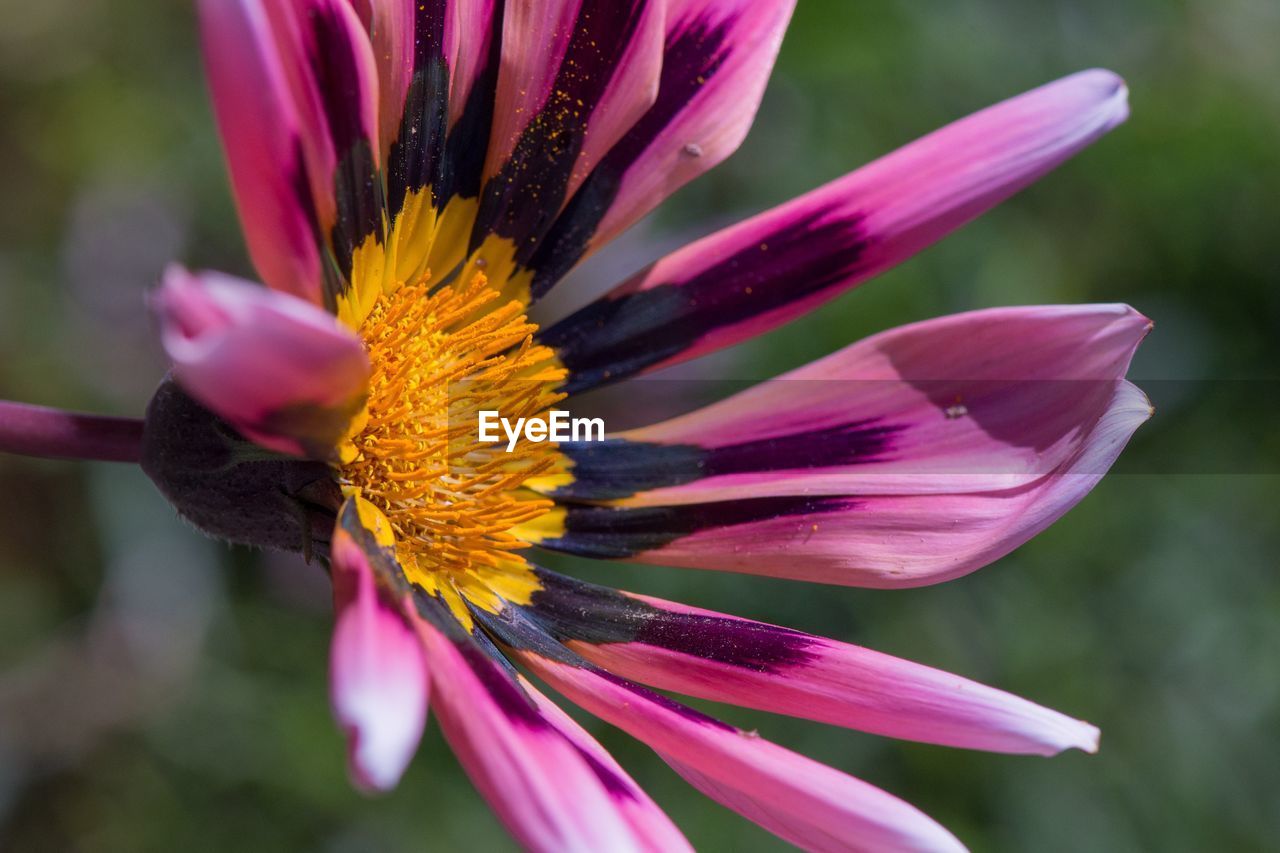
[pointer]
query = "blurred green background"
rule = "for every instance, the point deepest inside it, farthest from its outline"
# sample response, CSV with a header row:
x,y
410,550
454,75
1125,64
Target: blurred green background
x,y
158,692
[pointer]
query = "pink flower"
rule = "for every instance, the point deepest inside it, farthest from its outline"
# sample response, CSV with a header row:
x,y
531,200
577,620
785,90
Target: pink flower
x,y
411,177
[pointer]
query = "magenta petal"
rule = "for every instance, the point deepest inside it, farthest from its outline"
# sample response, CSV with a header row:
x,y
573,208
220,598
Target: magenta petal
x,y
280,370
973,402
915,456
717,56
892,541
263,136
755,665
549,783
377,673
575,75
726,49
883,541
809,804
761,273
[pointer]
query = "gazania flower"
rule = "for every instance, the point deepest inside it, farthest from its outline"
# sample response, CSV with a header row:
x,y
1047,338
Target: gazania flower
x,y
412,176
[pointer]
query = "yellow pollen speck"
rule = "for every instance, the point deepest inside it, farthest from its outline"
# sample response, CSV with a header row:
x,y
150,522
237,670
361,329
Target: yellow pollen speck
x,y
439,358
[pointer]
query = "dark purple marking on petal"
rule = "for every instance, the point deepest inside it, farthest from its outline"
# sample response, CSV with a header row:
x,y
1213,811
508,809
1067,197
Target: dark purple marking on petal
x,y
570,609
514,627
693,54
333,284
618,468
357,188
468,140
358,193
337,75
514,630
644,693
521,201
616,337
606,532
417,157
488,663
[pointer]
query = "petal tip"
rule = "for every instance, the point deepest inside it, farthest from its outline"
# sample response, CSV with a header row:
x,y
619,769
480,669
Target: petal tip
x,y
1074,734
1111,92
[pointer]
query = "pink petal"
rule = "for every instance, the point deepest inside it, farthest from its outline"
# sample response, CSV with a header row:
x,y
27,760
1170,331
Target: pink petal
x,y
809,804
263,137
377,672
717,58
575,76
546,780
475,40
747,279
974,402
883,541
645,817
391,28
726,659
325,85
280,370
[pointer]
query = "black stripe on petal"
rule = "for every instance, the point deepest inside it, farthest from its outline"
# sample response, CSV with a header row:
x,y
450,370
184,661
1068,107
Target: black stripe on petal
x,y
617,468
358,192
513,627
468,140
357,187
521,201
694,52
616,337
574,610
606,532
417,156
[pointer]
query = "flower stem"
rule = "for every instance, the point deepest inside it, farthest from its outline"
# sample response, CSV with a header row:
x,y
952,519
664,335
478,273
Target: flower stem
x,y
52,433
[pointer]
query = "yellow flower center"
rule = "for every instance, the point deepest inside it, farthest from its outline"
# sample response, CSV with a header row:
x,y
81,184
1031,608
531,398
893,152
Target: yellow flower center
x,y
440,356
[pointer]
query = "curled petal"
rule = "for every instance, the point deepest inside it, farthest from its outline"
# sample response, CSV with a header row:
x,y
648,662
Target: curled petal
x,y
883,541
280,370
974,402
756,275
377,671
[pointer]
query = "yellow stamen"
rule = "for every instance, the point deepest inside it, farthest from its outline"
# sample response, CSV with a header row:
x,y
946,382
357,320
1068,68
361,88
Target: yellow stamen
x,y
439,358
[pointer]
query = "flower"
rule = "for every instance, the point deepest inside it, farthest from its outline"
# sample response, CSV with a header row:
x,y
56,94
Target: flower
x,y
411,177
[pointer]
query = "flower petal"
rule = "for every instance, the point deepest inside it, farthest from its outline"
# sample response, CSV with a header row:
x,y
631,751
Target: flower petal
x,y
418,93
716,60
884,541
726,659
551,786
980,401
280,370
391,28
809,804
575,76
377,668
319,65
263,137
765,271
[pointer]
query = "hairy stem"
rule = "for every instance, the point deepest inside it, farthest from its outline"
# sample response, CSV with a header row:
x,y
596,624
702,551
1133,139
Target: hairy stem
x,y
52,433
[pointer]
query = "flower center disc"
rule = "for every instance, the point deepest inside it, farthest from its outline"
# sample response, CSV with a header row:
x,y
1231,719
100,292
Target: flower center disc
x,y
439,357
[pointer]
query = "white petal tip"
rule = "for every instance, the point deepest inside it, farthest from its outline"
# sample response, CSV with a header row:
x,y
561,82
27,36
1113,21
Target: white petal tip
x,y
1109,91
